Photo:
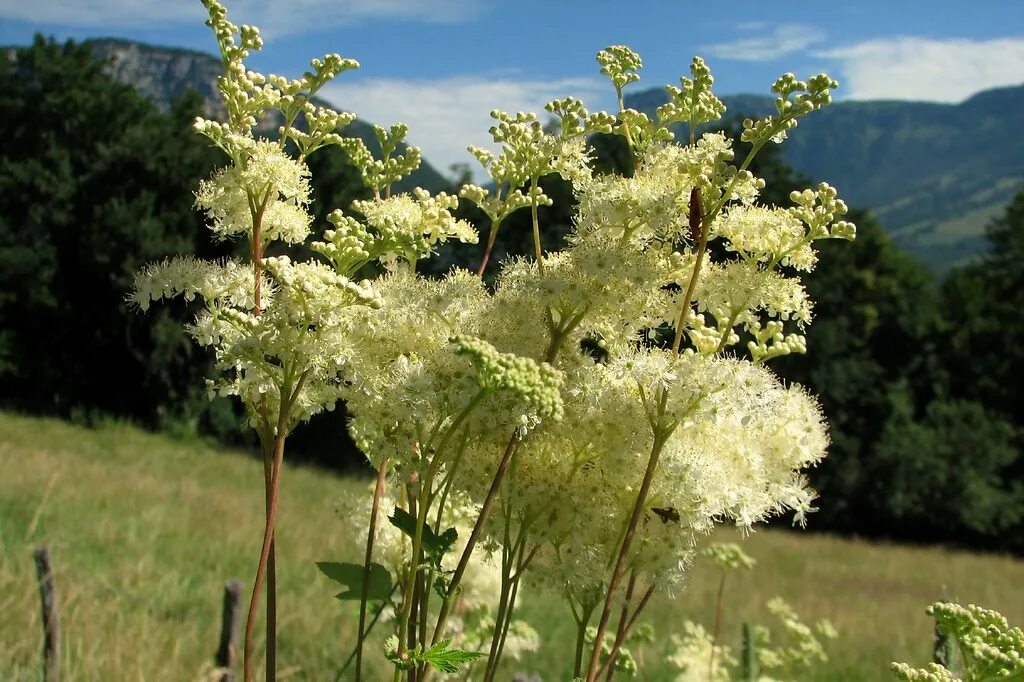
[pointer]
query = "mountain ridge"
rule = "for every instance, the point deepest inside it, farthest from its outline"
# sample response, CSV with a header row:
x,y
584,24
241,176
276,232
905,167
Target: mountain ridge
x,y
163,73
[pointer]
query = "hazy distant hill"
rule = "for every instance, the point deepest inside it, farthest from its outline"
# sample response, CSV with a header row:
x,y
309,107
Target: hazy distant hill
x,y
933,173
164,73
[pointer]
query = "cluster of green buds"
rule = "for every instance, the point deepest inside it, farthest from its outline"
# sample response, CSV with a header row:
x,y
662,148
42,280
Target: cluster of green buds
x,y
796,98
381,174
535,383
694,103
818,209
728,556
989,648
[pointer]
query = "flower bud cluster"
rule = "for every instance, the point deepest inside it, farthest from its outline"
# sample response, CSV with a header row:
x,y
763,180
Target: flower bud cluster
x,y
535,383
728,556
796,98
990,648
380,174
620,64
694,103
818,210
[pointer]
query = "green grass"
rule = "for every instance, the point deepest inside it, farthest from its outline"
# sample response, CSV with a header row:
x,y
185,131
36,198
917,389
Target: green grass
x,y
144,530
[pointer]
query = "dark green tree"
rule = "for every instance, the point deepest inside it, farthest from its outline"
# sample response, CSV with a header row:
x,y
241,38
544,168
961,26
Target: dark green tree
x,y
95,181
948,475
984,305
870,347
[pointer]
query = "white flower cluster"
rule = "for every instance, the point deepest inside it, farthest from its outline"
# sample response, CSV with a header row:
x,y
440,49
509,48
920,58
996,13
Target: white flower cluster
x,y
731,438
280,328
553,400
692,653
785,653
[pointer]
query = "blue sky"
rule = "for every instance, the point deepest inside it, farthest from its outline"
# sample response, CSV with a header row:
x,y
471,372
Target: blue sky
x,y
441,65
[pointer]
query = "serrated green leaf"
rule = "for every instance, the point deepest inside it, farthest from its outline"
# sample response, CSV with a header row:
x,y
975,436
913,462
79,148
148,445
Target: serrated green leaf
x,y
448,660
434,546
351,576
403,521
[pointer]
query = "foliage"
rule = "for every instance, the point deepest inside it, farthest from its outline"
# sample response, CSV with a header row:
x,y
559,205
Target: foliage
x,y
984,302
94,182
949,474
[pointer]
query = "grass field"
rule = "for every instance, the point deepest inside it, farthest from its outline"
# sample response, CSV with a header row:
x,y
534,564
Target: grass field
x,y
144,530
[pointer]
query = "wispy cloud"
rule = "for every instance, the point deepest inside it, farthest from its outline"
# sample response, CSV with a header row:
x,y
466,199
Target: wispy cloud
x,y
446,115
275,18
938,70
762,41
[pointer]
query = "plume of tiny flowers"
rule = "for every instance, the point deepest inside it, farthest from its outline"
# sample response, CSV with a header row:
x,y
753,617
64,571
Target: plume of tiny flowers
x,y
275,326
548,413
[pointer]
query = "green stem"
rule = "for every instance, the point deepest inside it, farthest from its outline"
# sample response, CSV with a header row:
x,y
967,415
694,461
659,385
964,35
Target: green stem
x,y
373,621
620,640
474,536
410,581
491,236
623,620
725,334
520,566
378,493
716,626
620,563
536,227
582,621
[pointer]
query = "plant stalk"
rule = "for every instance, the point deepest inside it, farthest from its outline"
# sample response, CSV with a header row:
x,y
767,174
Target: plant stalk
x,y
716,626
620,562
378,493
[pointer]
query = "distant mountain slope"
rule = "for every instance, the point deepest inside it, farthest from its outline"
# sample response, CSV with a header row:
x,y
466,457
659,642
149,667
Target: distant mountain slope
x,y
164,73
934,174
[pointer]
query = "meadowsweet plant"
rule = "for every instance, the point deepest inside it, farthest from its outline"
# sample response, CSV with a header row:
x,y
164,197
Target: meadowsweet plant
x,y
988,648
575,427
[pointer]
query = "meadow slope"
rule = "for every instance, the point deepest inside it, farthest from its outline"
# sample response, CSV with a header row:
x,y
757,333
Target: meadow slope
x,y
144,530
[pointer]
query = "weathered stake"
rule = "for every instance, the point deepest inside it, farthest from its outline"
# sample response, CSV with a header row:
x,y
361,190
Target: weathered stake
x,y
51,623
229,626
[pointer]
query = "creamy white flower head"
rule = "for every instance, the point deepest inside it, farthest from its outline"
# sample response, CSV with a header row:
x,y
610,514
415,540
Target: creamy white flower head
x,y
767,235
268,184
409,225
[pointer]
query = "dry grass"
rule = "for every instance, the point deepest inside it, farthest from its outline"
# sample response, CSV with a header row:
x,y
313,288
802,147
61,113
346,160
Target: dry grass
x,y
144,530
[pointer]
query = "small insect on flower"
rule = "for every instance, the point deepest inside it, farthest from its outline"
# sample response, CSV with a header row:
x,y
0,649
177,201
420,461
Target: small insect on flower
x,y
666,514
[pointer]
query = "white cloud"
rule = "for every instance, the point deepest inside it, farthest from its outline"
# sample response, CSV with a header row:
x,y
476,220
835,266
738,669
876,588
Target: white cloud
x,y
276,18
938,70
446,115
766,41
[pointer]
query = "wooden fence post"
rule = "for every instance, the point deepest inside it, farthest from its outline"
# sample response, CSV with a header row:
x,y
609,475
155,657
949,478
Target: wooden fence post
x,y
229,626
51,622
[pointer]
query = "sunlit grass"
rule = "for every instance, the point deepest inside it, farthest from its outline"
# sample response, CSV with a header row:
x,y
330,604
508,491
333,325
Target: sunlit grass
x,y
144,531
